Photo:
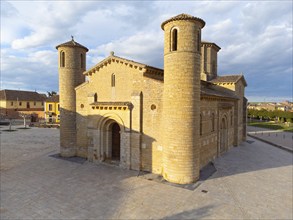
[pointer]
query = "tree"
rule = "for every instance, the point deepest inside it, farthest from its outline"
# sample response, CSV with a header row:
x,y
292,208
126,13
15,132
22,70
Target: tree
x,y
24,116
50,94
5,116
272,115
252,113
282,116
288,116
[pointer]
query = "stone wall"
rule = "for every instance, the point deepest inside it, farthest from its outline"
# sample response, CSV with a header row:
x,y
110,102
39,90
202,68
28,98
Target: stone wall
x,y
210,131
140,122
239,121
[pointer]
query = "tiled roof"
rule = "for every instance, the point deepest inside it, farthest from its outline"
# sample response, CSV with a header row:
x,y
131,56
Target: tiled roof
x,y
183,17
72,43
229,78
220,94
7,94
208,89
54,98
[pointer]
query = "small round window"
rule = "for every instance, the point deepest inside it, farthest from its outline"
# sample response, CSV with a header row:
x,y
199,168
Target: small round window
x,y
153,107
81,106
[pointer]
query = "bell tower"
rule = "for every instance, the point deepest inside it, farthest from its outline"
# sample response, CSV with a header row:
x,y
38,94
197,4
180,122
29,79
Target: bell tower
x,y
209,61
71,65
181,98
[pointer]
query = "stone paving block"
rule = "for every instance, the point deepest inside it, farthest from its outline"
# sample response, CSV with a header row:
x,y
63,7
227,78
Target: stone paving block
x,y
253,181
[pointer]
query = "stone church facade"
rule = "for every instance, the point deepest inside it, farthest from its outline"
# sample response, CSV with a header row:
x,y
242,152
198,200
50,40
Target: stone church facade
x,y
171,122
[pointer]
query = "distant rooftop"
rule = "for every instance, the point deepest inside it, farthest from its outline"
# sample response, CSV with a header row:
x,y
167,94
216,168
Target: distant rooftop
x,y
19,95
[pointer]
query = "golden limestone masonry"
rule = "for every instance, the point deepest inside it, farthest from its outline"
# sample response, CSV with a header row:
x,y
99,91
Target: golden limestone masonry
x,y
170,122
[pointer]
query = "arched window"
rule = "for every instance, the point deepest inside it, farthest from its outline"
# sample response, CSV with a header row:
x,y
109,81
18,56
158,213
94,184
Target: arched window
x,y
81,61
200,125
95,97
174,39
113,80
62,59
213,122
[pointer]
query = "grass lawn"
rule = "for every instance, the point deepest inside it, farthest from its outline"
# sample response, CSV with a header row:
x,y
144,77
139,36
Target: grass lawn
x,y
272,125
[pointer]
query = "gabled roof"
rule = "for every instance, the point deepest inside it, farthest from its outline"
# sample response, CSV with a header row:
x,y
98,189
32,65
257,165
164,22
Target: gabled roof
x,y
7,94
72,43
148,71
183,17
54,98
229,79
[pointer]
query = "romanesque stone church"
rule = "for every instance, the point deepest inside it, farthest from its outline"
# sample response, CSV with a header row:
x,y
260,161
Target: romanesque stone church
x,y
170,121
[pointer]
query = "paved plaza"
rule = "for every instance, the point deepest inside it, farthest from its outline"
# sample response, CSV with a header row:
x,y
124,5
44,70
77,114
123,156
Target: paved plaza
x,y
277,137
252,181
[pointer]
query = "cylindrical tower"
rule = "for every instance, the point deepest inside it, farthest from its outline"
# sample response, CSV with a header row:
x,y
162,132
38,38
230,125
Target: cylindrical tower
x,y
71,65
181,98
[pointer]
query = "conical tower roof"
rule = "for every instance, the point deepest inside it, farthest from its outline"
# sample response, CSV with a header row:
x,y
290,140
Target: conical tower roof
x,y
72,43
183,17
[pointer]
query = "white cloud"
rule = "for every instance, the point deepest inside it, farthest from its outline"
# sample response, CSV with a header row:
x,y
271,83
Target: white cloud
x,y
35,39
35,70
12,25
255,37
256,16
138,46
43,57
47,23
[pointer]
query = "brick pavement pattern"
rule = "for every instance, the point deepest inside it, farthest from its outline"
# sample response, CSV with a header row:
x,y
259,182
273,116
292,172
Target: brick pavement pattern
x,y
253,181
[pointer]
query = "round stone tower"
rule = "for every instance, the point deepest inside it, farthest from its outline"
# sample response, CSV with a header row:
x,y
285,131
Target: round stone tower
x,y
71,65
181,98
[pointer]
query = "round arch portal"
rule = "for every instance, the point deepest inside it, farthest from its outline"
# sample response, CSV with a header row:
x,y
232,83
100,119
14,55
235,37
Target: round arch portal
x,y
111,128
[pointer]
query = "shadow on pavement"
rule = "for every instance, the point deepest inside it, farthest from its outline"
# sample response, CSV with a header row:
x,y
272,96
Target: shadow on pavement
x,y
251,156
201,212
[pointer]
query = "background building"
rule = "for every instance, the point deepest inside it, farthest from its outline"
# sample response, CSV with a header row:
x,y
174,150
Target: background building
x,y
14,102
52,109
271,106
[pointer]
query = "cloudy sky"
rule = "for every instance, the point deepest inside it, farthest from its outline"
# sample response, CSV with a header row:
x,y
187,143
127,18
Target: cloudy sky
x,y
255,37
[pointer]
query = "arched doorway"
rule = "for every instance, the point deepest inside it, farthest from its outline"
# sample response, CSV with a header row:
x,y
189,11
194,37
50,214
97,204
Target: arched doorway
x,y
223,135
115,148
111,144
